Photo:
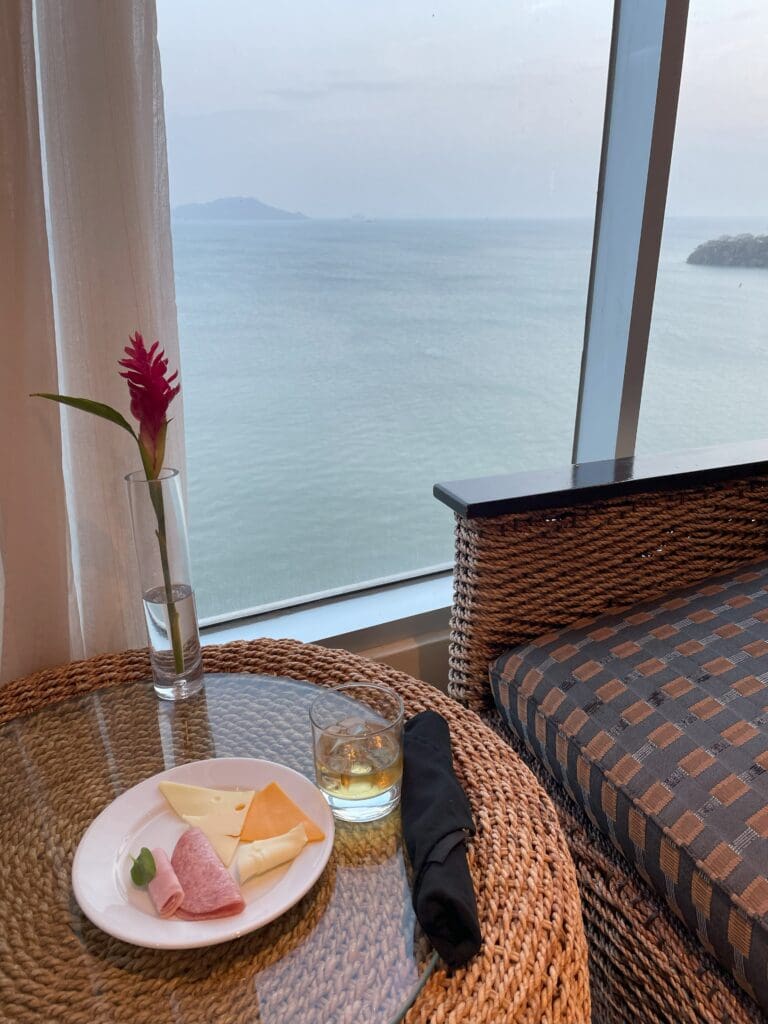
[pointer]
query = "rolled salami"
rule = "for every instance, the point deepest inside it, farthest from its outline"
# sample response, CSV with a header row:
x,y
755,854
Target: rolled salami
x,y
209,889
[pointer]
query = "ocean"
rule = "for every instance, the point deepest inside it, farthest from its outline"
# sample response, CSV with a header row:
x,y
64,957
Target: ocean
x,y
333,371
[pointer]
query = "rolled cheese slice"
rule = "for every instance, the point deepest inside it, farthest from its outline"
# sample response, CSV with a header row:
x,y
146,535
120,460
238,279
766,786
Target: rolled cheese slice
x,y
262,855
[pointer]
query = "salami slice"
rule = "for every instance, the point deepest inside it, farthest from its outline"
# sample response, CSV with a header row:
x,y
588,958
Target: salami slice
x,y
209,889
164,889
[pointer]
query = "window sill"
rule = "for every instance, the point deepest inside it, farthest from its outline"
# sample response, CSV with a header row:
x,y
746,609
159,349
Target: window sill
x,y
379,617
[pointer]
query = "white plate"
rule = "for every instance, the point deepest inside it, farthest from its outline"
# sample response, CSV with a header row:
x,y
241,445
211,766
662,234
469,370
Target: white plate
x,y
142,817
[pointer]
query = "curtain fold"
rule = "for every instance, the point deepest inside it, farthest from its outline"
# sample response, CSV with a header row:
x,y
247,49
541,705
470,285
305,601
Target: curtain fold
x,y
103,270
34,559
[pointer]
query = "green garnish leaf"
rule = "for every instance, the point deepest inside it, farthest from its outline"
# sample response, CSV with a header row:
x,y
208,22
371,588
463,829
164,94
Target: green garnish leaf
x,y
144,869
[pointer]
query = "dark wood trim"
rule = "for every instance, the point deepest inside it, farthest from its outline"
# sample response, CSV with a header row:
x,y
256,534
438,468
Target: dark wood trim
x,y
596,481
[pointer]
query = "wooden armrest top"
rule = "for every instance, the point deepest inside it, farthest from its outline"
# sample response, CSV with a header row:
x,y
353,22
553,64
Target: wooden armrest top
x,y
587,482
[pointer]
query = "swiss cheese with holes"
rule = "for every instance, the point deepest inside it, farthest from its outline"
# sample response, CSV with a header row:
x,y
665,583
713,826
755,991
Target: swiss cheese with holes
x,y
219,813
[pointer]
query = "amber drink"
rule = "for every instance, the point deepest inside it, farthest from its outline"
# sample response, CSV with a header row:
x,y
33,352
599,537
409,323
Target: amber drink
x,y
358,746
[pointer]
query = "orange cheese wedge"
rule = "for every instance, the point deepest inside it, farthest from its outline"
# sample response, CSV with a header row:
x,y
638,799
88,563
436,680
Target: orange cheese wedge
x,y
272,813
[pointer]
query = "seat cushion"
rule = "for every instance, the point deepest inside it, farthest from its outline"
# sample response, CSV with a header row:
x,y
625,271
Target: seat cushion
x,y
655,719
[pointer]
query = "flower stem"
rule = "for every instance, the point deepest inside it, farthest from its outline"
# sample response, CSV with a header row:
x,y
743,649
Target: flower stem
x,y
156,494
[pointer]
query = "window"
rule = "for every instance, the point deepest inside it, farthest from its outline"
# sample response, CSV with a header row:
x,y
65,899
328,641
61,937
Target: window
x,y
708,348
424,322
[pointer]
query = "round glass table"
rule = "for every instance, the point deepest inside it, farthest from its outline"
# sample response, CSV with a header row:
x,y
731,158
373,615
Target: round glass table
x,y
350,951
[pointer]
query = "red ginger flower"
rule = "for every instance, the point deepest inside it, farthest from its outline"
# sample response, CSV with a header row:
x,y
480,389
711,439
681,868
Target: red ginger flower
x,y
152,392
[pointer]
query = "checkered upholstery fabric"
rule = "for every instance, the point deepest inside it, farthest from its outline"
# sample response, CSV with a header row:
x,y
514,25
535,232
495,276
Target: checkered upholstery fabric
x,y
655,719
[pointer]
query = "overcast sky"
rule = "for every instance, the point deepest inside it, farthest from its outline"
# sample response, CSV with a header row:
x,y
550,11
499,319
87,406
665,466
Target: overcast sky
x,y
400,108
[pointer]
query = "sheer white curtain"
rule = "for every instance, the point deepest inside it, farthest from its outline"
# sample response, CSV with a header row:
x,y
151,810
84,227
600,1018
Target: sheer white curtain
x,y
34,563
70,587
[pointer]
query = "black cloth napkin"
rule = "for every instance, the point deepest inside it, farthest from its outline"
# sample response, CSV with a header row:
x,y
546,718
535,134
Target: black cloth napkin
x,y
437,820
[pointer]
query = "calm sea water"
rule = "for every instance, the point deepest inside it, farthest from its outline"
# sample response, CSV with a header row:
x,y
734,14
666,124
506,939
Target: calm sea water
x,y
335,370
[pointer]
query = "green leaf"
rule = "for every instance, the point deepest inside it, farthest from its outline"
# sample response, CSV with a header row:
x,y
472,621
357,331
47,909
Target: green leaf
x,y
106,412
144,869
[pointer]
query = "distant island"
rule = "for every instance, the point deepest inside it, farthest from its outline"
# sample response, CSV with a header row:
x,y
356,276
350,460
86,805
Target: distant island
x,y
234,208
732,251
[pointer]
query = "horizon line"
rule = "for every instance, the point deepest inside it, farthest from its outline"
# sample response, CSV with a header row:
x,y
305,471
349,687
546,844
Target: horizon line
x,y
299,216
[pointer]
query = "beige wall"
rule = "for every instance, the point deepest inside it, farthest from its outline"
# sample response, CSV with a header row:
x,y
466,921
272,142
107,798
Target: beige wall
x,y
425,657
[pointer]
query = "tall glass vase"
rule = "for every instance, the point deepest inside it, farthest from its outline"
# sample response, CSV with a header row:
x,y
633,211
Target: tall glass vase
x,y
162,549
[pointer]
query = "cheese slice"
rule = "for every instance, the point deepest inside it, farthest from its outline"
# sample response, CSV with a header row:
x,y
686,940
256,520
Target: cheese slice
x,y
273,813
224,845
220,813
264,854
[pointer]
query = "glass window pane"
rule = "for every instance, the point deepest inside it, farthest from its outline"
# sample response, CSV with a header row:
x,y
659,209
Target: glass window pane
x,y
708,349
424,322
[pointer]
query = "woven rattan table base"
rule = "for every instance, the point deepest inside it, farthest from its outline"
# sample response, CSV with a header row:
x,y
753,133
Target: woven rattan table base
x,y
64,763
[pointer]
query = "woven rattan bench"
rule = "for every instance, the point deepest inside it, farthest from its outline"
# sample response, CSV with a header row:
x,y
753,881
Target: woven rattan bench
x,y
533,964
539,552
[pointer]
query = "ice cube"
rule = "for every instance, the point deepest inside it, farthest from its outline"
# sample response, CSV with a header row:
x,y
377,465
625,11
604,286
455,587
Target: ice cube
x,y
383,750
349,727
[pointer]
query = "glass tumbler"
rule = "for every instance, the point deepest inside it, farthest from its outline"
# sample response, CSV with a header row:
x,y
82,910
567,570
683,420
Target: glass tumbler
x,y
357,734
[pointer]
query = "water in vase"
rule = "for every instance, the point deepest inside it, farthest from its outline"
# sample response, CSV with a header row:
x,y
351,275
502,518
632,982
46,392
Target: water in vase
x,y
171,684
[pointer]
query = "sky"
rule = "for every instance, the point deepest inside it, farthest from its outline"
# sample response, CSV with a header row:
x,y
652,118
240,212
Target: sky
x,y
401,108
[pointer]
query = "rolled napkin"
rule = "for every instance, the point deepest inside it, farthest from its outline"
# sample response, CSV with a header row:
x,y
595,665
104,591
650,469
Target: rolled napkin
x,y
262,855
437,820
165,889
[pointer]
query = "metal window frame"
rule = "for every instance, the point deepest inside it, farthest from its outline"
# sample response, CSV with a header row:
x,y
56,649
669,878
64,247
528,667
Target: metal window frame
x,y
647,47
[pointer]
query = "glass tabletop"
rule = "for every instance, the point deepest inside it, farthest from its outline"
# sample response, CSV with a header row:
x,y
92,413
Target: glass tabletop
x,y
350,951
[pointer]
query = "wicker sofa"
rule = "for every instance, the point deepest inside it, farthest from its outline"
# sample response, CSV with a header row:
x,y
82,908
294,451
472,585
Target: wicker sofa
x,y
621,611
